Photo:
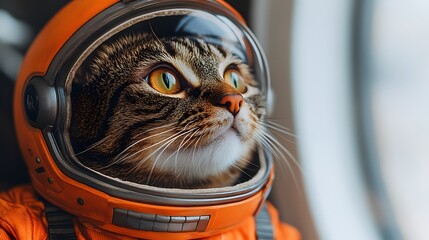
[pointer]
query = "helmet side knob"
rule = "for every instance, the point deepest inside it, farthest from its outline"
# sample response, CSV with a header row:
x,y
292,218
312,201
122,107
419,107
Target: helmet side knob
x,y
31,103
40,103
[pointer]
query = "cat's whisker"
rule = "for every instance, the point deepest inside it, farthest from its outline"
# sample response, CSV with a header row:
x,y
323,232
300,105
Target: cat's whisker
x,y
247,161
281,132
167,143
294,160
278,154
164,143
162,151
277,149
277,130
280,128
231,175
122,154
154,34
94,145
154,135
265,143
183,144
195,147
122,157
118,160
234,165
146,138
192,139
100,142
191,131
281,159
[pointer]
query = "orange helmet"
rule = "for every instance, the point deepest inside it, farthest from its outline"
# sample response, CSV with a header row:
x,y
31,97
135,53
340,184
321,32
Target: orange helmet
x,y
41,104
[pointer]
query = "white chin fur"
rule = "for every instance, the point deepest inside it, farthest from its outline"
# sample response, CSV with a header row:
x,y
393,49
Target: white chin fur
x,y
205,161
211,159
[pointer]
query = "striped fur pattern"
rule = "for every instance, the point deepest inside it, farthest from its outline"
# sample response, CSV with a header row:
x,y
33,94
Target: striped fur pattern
x,y
124,128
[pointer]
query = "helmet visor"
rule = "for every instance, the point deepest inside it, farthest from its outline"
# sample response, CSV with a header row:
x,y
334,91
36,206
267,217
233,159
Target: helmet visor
x,y
162,46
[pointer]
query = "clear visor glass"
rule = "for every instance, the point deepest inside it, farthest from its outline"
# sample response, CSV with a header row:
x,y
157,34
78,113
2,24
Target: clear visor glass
x,y
223,33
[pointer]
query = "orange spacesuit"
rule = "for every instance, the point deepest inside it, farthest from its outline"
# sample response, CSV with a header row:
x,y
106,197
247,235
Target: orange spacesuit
x,y
74,201
22,217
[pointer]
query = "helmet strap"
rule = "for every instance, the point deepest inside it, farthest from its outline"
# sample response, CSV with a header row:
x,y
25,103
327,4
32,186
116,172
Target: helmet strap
x,y
60,223
264,227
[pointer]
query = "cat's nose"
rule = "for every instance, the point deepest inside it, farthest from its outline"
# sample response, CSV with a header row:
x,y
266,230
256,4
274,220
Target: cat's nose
x,y
232,102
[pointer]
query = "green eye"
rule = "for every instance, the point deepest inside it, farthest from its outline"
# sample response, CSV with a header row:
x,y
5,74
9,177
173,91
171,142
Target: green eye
x,y
164,80
234,79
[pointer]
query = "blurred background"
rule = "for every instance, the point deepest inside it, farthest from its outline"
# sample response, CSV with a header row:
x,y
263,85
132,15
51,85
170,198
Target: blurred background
x,y
351,80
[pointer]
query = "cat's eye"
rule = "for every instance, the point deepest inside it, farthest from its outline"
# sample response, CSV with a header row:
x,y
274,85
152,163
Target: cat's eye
x,y
164,80
235,80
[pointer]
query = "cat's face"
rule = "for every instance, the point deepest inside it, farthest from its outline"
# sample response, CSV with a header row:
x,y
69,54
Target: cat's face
x,y
171,112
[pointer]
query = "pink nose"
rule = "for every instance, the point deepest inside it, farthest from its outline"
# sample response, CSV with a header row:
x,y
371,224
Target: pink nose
x,y
232,102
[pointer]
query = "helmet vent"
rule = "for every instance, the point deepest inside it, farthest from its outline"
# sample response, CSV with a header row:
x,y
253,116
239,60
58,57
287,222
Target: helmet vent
x,y
159,223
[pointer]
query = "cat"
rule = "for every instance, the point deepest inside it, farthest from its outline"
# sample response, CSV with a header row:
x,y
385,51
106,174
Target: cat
x,y
174,112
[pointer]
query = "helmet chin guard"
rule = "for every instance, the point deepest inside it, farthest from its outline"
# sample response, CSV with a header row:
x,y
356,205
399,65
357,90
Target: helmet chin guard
x,y
42,113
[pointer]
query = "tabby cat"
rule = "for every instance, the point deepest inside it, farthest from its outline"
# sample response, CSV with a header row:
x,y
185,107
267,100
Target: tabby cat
x,y
172,112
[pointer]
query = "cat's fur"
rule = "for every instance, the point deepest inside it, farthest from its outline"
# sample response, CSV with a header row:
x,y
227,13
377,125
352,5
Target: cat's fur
x,y
124,128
